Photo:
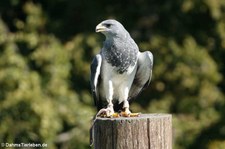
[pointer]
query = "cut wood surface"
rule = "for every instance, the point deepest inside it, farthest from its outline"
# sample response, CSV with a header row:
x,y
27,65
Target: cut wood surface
x,y
148,131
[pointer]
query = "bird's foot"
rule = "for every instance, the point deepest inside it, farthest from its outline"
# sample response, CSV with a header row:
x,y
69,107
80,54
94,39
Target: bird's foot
x,y
107,113
127,113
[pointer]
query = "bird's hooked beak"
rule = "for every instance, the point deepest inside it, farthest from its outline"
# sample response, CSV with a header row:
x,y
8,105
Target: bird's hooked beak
x,y
100,28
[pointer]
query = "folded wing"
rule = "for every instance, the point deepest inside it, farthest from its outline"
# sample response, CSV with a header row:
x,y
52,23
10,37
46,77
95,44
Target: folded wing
x,y
143,74
96,77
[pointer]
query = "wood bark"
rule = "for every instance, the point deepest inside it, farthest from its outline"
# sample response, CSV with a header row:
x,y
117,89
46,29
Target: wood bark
x,y
148,131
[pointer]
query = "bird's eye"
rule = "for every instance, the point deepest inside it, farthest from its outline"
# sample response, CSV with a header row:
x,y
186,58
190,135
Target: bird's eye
x,y
107,25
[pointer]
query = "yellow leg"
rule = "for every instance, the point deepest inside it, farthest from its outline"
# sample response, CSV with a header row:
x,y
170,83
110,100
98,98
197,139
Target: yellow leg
x,y
127,113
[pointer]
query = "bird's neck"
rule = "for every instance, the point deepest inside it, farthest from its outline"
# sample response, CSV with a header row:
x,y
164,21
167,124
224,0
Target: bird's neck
x,y
116,38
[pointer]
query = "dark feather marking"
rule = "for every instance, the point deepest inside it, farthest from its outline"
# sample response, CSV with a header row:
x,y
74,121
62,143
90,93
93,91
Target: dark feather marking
x,y
120,55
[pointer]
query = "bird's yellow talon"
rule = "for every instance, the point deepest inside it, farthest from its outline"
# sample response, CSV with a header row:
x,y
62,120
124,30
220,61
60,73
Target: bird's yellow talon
x,y
124,114
115,115
134,114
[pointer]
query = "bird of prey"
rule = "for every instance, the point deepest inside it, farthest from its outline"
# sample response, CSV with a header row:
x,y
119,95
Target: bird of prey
x,y
120,71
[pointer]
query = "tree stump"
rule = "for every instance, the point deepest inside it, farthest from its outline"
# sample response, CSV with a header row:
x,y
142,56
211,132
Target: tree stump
x,y
148,131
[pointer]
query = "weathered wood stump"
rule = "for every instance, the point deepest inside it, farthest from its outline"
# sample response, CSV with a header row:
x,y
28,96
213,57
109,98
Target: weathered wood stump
x,y
148,131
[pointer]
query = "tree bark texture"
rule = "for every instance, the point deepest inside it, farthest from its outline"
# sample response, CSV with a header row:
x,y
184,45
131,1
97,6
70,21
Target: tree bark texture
x,y
148,131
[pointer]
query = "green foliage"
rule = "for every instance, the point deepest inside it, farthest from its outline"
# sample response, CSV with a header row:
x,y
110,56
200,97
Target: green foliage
x,y
45,52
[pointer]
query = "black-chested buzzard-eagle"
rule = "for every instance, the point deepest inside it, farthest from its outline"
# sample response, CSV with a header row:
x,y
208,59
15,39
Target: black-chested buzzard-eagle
x,y
120,71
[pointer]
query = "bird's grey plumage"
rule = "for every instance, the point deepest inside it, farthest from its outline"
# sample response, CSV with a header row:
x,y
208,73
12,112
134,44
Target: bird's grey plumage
x,y
119,53
95,77
119,72
143,74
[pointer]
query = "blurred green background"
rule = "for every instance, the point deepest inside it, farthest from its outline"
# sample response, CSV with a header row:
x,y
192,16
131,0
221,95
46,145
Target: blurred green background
x,y
46,47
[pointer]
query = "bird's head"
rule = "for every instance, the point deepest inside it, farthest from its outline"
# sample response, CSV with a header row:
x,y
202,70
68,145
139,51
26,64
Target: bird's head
x,y
111,28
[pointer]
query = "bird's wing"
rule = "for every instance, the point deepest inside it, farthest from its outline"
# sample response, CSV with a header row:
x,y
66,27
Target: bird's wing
x,y
143,75
95,77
